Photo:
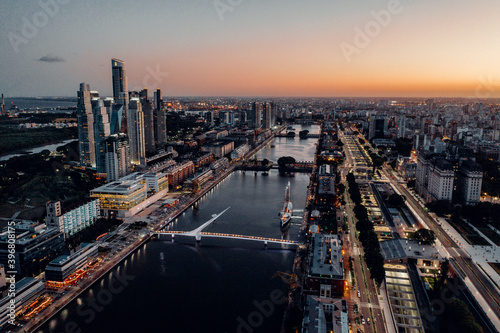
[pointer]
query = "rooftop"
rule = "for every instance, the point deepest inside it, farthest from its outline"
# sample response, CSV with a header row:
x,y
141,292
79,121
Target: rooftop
x,y
327,256
120,187
405,248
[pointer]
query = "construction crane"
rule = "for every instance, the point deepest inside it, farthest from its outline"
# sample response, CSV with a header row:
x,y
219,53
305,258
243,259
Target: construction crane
x,y
290,279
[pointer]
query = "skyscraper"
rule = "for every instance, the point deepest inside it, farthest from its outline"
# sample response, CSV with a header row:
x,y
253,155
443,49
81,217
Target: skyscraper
x,y
267,121
85,117
401,126
254,116
378,126
101,132
148,110
160,121
136,132
120,88
117,156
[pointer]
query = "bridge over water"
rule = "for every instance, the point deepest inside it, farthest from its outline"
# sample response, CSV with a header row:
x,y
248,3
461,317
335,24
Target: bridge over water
x,y
196,236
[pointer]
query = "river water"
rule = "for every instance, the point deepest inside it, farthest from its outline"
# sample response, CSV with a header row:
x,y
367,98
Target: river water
x,y
173,287
51,147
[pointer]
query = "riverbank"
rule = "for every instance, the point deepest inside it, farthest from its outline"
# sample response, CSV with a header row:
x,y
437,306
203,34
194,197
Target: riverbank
x,y
36,150
17,141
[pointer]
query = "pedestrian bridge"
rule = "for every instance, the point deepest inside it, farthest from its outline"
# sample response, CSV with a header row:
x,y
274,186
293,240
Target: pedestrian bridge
x,y
198,235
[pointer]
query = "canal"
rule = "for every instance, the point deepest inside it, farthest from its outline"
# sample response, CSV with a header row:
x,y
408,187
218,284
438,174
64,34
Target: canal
x,y
170,287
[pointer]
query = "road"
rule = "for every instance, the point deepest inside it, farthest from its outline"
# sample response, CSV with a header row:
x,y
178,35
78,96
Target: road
x,y
368,292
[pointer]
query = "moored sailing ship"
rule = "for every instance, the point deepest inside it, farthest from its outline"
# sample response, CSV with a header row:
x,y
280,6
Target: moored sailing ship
x,y
286,212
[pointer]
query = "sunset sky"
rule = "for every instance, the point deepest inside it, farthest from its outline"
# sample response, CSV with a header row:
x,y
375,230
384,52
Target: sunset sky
x,y
257,48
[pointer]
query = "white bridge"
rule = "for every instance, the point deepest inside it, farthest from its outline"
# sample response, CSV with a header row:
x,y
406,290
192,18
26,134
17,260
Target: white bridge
x,y
198,234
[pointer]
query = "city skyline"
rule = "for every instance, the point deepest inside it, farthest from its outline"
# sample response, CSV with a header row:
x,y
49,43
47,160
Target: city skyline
x,y
243,48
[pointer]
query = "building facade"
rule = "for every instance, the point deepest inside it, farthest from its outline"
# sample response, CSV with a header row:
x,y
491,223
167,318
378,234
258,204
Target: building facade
x,y
136,132
470,179
36,245
117,156
85,118
73,220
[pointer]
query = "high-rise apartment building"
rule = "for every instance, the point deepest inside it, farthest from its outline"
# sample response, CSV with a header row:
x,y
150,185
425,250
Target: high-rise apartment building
x,y
148,110
135,120
441,180
101,132
117,156
254,116
401,126
85,117
120,90
379,125
470,179
267,116
160,121
120,86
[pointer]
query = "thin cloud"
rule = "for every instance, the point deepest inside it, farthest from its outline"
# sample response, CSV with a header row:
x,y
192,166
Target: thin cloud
x,y
51,58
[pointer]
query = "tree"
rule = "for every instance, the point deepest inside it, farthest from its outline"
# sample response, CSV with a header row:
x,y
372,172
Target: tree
x,y
341,188
460,319
265,162
425,236
395,200
285,161
404,146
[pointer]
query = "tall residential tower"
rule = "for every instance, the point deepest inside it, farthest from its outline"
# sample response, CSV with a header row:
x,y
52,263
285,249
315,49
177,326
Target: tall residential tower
x,y
120,89
86,139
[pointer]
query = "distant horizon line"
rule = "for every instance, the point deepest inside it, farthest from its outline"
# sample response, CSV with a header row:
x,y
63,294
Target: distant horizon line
x,y
282,97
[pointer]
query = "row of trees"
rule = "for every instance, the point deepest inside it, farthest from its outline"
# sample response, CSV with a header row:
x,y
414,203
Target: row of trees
x,y
367,235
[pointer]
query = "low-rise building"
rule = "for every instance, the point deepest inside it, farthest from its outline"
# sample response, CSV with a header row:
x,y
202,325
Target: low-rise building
x,y
179,173
407,168
62,267
200,179
325,277
327,195
240,152
219,148
130,194
324,315
72,220
220,165
26,289
36,245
